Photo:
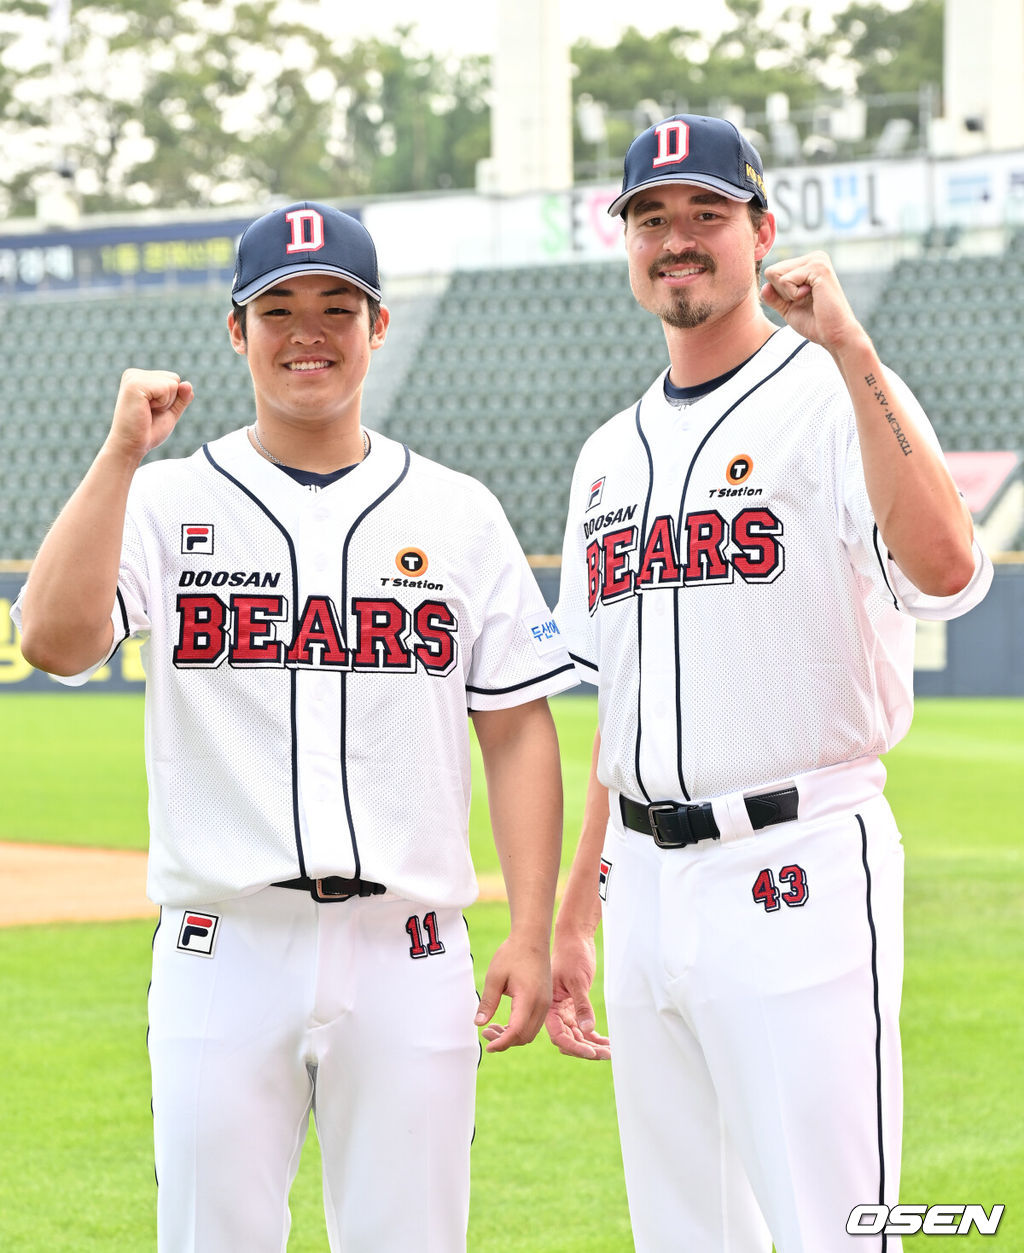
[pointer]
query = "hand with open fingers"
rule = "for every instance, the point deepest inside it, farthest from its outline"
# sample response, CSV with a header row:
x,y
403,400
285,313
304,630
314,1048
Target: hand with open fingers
x,y
522,972
807,293
571,1022
149,404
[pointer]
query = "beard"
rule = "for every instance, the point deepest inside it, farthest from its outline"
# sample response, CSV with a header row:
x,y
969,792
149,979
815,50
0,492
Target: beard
x,y
682,311
684,314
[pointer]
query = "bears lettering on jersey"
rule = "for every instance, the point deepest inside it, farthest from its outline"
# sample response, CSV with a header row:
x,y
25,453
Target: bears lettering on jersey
x,y
712,549
387,636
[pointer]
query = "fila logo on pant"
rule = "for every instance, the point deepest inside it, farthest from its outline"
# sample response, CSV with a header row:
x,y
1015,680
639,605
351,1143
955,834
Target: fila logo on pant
x,y
198,933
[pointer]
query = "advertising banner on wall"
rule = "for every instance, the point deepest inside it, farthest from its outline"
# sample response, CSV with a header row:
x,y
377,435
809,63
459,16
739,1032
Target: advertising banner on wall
x,y
119,256
123,674
814,205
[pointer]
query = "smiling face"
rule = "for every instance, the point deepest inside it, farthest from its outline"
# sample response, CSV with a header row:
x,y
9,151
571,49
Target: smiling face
x,y
693,253
308,342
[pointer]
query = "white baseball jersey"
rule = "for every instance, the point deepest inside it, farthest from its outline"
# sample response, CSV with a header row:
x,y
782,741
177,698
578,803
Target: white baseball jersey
x,y
722,567
310,658
724,583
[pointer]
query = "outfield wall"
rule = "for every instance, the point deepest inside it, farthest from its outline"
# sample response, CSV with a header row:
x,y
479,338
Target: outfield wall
x,y
981,654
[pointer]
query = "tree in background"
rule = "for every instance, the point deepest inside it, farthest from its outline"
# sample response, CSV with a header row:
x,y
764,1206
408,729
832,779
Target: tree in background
x,y
869,53
891,48
681,71
414,121
894,52
188,103
208,103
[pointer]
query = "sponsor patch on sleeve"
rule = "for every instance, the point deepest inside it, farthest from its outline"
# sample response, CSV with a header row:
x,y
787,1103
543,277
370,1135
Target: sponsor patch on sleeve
x,y
543,630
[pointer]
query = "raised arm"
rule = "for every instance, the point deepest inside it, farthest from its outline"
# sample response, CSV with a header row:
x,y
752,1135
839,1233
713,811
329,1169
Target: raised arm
x,y
570,1020
72,586
921,518
524,789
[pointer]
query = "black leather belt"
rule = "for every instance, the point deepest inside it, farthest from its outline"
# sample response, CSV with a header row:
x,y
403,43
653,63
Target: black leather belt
x,y
333,888
674,825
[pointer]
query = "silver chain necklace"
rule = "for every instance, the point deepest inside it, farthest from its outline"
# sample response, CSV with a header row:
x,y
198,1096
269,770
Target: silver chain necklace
x,y
278,462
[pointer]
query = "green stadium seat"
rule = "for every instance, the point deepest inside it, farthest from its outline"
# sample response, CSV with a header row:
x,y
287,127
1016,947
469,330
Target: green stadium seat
x,y
511,372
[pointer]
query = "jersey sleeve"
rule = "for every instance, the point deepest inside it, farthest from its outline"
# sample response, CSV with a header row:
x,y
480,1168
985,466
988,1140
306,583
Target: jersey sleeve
x,y
518,654
868,553
128,615
944,608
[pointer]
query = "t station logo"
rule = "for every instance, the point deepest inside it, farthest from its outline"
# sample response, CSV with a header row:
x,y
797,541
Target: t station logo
x,y
412,564
737,472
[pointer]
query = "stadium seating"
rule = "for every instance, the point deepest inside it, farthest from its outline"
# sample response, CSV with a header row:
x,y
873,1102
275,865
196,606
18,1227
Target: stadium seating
x,y
501,373
517,368
56,414
950,326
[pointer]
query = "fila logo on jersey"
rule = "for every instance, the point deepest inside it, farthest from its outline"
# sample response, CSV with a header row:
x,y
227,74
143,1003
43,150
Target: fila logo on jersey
x,y
602,879
386,635
196,537
307,227
198,933
710,550
596,492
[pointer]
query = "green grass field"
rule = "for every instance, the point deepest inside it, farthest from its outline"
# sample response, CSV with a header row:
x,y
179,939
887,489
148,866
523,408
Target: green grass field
x,y
75,1152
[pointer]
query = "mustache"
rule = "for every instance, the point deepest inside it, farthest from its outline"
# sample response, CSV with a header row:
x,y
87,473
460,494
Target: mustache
x,y
672,261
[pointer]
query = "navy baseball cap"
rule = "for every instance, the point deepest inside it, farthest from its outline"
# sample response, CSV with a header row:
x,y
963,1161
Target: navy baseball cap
x,y
303,238
685,148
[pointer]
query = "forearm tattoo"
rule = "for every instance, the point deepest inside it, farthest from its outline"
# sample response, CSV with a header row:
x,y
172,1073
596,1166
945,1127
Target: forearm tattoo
x,y
890,417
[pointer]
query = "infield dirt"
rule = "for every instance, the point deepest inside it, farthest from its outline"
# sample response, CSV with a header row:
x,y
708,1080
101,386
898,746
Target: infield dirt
x,y
57,883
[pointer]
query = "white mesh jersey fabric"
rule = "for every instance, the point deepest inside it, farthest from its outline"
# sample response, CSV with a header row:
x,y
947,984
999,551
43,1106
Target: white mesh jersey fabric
x,y
722,583
310,659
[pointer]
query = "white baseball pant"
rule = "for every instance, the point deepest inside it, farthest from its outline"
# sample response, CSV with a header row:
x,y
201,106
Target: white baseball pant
x,y
755,1036
305,1006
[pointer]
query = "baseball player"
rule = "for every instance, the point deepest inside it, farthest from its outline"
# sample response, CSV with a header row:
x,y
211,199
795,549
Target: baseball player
x,y
747,548
320,607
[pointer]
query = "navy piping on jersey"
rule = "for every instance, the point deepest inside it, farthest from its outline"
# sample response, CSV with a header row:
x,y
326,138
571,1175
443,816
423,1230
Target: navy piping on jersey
x,y
124,615
293,677
516,687
344,676
640,601
878,1019
125,629
875,538
149,1023
679,528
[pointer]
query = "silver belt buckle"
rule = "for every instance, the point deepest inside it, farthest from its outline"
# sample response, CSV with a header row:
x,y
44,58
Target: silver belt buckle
x,y
664,807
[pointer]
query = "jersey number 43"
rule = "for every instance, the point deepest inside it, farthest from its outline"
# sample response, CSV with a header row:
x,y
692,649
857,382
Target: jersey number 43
x,y
766,891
